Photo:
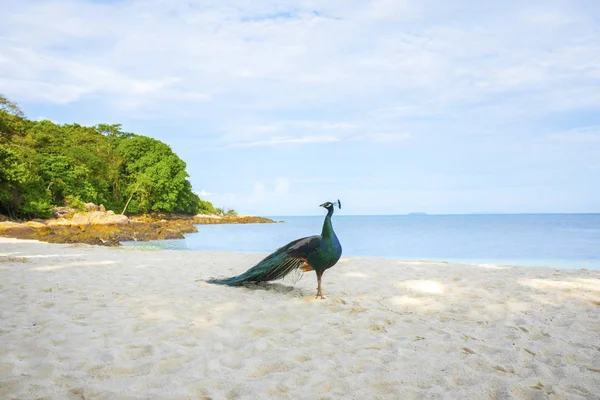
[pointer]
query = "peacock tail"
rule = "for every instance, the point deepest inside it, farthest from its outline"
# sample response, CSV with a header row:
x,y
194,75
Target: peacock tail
x,y
275,266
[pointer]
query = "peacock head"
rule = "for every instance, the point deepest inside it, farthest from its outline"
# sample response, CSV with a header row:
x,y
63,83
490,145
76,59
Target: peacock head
x,y
329,205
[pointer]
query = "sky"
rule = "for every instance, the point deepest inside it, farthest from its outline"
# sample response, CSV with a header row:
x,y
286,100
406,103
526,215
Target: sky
x,y
392,106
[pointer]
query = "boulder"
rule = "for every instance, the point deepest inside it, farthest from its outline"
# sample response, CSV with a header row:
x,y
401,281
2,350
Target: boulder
x,y
14,229
41,228
81,219
101,208
100,218
58,222
35,225
91,207
63,212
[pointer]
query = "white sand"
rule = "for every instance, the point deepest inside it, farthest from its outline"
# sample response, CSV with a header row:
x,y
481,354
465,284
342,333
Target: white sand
x,y
103,323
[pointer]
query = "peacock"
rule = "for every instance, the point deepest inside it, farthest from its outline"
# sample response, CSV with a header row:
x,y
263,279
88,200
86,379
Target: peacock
x,y
313,253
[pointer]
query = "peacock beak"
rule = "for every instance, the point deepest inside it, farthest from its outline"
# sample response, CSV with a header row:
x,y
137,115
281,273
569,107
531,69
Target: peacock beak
x,y
322,205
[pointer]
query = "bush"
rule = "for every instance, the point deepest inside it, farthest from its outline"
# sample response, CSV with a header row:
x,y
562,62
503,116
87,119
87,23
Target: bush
x,y
206,207
75,203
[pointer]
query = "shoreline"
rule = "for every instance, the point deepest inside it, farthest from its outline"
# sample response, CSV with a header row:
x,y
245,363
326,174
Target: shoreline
x,y
565,264
98,322
109,229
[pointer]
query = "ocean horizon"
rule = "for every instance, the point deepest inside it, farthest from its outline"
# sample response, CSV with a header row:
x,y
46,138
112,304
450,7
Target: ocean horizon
x,y
559,240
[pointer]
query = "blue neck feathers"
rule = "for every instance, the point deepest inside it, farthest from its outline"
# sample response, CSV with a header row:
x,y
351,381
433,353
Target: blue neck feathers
x,y
327,227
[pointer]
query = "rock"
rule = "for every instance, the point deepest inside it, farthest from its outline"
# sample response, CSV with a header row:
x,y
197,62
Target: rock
x,y
63,212
14,229
91,207
110,212
80,219
39,227
208,216
109,229
101,218
101,208
247,220
58,222
35,225
96,218
202,219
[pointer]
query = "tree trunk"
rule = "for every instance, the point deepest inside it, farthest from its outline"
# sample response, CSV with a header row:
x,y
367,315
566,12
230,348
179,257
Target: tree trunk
x,y
130,197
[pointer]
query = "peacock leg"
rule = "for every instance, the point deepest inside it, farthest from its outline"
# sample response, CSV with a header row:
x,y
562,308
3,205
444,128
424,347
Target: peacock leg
x,y
319,294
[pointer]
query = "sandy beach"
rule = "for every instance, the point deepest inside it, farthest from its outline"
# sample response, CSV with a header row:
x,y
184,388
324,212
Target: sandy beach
x,y
86,322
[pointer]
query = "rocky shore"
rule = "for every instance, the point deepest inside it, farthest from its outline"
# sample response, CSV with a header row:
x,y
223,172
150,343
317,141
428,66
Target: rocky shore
x,y
109,229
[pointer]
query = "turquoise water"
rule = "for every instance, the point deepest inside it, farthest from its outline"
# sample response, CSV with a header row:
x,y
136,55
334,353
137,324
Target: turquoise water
x,y
555,240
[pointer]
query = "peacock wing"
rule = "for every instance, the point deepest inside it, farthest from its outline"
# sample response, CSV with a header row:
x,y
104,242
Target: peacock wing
x,y
302,248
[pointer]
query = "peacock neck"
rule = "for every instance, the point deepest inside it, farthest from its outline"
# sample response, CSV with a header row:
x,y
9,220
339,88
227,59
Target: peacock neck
x,y
327,227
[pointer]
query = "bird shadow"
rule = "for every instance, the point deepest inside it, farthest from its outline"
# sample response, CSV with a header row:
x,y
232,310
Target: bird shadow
x,y
276,287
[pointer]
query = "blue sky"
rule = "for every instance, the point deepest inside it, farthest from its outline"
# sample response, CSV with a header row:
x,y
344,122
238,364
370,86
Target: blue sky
x,y
393,106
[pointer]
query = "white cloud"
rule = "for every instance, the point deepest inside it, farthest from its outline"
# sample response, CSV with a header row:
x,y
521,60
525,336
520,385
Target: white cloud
x,y
270,55
203,194
41,118
391,9
390,137
71,80
282,186
276,141
268,194
337,125
589,134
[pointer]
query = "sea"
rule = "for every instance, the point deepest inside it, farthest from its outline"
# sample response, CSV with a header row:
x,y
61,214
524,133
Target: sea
x,y
554,240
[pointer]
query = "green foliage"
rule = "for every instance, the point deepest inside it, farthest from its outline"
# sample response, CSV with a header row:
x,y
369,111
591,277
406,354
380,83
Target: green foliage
x,y
34,207
66,178
21,191
11,169
43,164
75,203
158,176
10,108
12,174
206,207
224,212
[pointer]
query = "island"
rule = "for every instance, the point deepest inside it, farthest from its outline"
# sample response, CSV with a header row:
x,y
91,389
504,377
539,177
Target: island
x,y
67,183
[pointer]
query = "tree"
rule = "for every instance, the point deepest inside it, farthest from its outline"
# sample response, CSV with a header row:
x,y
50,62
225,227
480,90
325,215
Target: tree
x,y
113,130
167,188
12,174
206,207
44,164
64,177
10,108
21,192
140,186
